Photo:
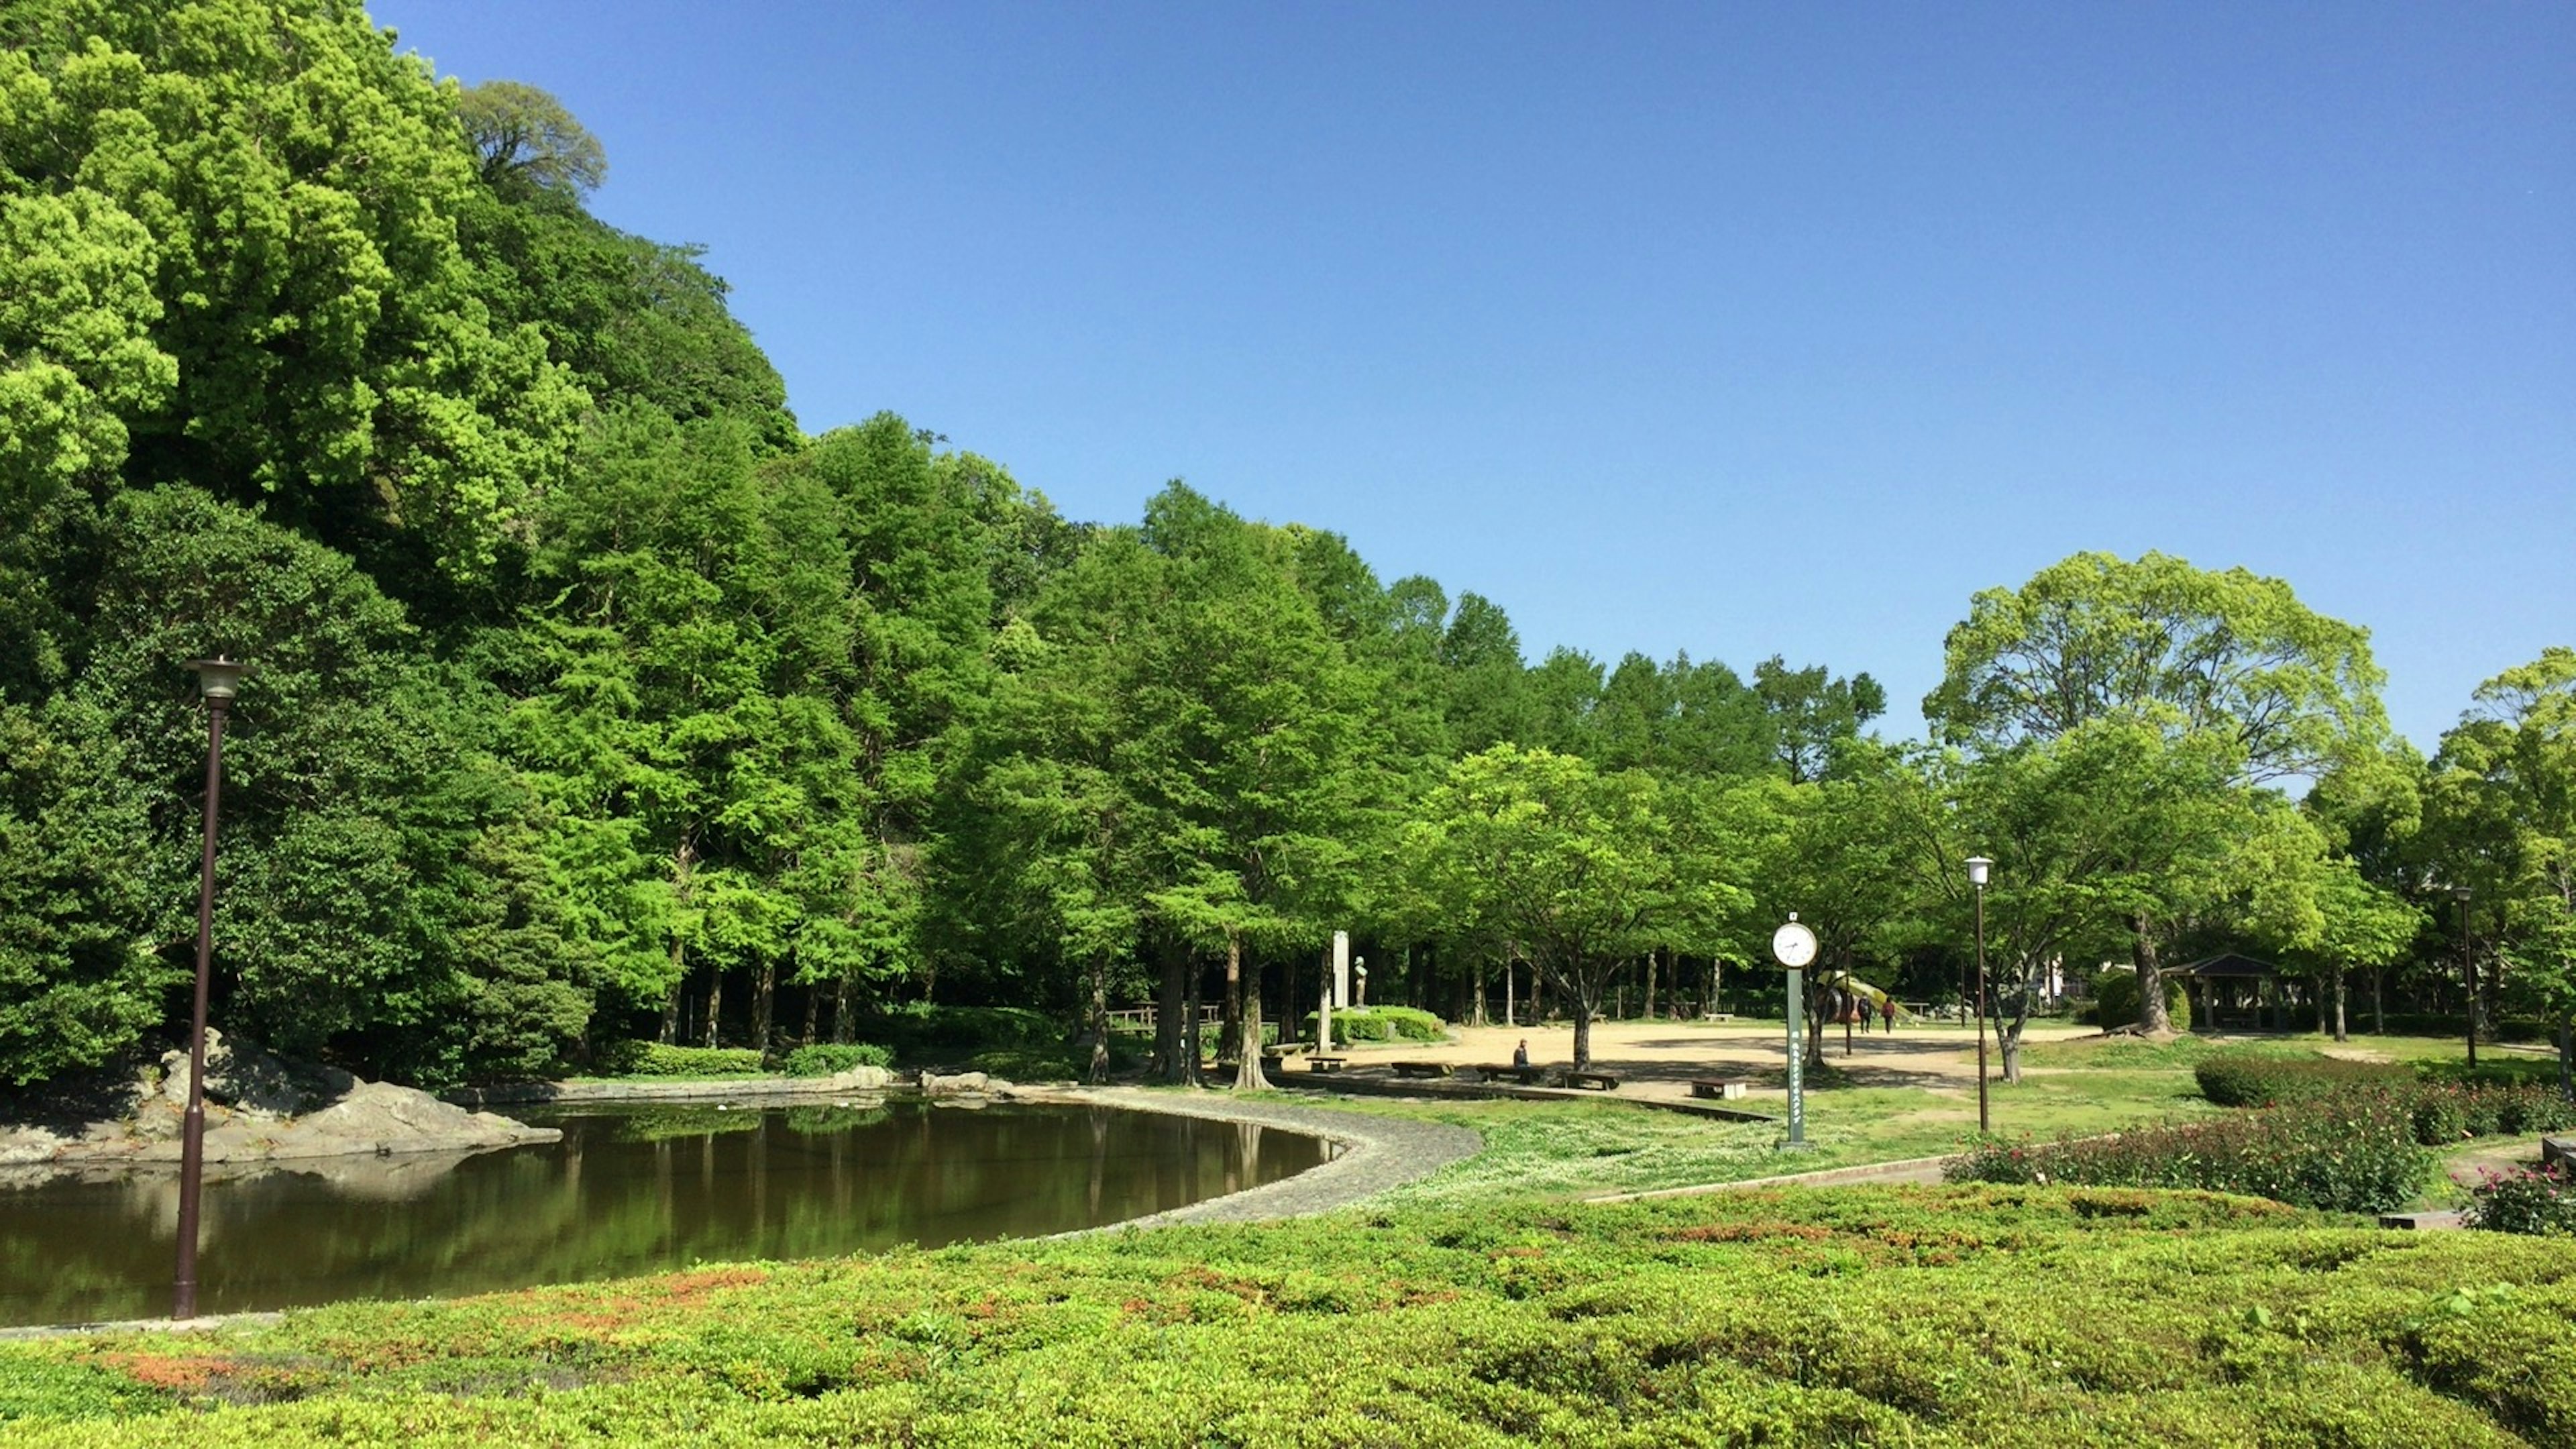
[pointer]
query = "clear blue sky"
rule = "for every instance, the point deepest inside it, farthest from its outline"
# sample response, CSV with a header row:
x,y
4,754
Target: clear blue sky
x,y
1728,328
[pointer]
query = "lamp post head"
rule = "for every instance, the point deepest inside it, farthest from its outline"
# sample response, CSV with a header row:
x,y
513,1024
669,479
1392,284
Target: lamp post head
x,y
218,678
1978,866
2460,893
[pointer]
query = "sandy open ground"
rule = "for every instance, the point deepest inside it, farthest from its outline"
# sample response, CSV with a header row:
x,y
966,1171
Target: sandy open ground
x,y
1659,1058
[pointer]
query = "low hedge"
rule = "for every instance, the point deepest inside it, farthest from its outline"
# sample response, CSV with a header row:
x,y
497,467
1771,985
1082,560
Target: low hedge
x,y
2256,1079
1381,1023
824,1059
2353,1151
661,1059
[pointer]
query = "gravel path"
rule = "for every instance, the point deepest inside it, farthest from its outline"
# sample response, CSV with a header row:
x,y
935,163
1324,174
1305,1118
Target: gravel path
x,y
1376,1153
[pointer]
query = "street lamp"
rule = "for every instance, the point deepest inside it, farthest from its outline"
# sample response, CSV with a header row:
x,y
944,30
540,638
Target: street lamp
x,y
2468,970
217,679
1978,868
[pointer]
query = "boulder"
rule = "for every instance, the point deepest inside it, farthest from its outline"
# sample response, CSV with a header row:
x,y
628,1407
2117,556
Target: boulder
x,y
241,1076
935,1085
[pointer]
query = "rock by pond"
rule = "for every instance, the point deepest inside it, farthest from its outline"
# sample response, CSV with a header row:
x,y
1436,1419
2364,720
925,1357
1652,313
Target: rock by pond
x,y
259,1109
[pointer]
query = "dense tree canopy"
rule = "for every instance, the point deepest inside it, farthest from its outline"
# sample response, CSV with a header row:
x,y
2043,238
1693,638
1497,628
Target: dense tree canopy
x,y
597,699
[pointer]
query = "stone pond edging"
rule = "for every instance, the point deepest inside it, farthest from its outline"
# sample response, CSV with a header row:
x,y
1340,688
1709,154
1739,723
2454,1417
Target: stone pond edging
x,y
1377,1153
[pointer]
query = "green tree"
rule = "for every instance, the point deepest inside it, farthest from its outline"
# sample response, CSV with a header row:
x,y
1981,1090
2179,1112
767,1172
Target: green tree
x,y
528,142
313,339
2505,800
2189,653
1581,869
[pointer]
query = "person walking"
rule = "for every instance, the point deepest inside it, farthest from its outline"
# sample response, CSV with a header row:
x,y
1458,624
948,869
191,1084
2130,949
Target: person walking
x,y
1887,1011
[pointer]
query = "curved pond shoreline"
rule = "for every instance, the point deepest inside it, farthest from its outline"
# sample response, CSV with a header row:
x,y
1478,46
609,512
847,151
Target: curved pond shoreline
x,y
1377,1153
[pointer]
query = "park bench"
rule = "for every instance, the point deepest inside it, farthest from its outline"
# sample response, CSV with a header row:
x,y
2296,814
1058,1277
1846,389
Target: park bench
x,y
1529,1076
1727,1088
1597,1081
1422,1069
1326,1064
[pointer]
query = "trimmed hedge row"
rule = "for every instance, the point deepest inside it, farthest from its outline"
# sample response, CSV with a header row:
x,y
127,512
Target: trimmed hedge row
x,y
2250,1079
659,1059
824,1059
2354,1151
1381,1023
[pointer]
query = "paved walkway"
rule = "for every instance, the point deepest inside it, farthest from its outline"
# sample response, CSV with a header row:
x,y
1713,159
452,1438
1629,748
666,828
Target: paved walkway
x,y
1376,1152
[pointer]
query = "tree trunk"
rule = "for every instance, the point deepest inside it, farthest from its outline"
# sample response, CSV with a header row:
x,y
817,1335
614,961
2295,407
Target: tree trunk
x,y
2341,1033
671,1002
1248,1075
1194,982
2152,1016
1476,1004
2009,1038
813,1014
764,1006
1169,1001
1511,1003
715,1001
1231,1033
1650,986
2379,1002
1099,1023
841,1011
1581,1001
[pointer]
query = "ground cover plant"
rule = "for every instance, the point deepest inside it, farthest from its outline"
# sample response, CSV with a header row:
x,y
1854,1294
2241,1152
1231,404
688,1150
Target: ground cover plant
x,y
1962,1315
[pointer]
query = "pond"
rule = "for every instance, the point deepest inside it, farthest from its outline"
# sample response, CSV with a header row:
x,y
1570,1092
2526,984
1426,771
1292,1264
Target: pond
x,y
627,1192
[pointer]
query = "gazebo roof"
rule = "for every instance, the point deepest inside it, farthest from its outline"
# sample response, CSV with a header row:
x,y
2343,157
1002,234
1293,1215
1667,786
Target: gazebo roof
x,y
2226,964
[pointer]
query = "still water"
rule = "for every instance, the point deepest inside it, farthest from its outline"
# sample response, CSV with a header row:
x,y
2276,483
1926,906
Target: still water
x,y
627,1192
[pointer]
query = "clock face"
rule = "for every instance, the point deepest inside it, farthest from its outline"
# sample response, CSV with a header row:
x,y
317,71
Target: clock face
x,y
1794,944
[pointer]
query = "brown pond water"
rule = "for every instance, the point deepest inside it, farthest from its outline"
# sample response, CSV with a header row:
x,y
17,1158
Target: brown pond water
x,y
625,1192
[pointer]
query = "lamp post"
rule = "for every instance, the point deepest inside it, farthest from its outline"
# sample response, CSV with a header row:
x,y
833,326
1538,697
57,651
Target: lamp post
x,y
2468,970
1978,866
217,679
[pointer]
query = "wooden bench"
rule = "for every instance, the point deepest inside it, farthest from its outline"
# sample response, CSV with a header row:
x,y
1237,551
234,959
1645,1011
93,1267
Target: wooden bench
x,y
1725,1088
1597,1081
1422,1069
1529,1076
1326,1064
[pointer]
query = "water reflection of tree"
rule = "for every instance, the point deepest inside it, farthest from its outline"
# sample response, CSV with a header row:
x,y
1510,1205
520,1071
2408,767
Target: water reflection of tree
x,y
605,1203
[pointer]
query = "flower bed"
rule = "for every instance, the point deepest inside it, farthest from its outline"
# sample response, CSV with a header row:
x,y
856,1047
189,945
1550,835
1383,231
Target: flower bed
x,y
2355,1151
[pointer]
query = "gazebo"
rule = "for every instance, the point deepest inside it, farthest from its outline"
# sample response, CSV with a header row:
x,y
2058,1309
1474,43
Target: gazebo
x,y
2229,989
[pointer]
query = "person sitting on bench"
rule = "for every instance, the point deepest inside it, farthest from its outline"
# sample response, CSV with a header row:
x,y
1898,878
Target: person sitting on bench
x,y
1520,1054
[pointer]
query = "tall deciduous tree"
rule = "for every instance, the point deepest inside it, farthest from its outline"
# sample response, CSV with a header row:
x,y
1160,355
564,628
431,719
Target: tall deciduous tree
x,y
2227,657
1584,870
2505,799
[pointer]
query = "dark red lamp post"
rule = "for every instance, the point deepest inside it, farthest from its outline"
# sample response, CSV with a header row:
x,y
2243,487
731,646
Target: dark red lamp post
x,y
217,679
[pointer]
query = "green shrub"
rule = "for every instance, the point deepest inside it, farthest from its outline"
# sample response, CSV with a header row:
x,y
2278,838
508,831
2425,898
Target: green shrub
x,y
2255,1079
2541,1203
2115,1001
824,1059
1381,1023
660,1059
2355,1150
